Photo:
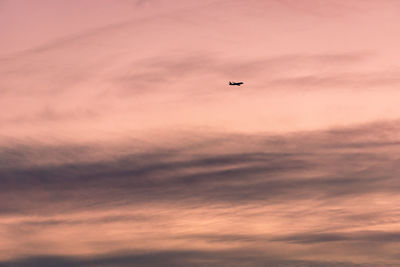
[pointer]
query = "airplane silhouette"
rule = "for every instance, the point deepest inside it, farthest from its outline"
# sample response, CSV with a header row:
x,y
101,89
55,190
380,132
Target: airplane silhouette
x,y
238,84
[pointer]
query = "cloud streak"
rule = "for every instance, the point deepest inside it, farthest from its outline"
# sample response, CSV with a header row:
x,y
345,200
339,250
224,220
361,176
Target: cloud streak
x,y
174,258
313,179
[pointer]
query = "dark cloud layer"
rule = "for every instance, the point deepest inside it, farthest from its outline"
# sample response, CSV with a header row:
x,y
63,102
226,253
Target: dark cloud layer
x,y
175,258
348,169
337,237
330,168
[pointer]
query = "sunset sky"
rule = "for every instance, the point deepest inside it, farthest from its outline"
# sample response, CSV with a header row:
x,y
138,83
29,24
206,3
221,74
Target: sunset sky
x,y
122,144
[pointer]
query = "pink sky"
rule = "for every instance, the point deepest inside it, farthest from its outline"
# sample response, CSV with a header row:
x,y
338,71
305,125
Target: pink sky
x,y
93,81
155,65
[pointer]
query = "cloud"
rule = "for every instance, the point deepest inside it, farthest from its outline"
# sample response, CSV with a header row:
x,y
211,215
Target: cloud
x,y
304,191
174,258
333,9
169,68
372,236
142,2
342,169
341,81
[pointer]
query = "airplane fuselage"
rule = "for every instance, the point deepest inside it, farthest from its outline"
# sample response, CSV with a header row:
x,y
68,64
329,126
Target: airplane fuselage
x,y
238,84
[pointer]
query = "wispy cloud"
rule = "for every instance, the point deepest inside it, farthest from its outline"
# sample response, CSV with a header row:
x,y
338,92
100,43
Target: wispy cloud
x,y
175,258
321,184
340,237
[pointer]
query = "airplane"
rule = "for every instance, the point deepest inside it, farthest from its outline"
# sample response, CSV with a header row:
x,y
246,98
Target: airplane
x,y
238,84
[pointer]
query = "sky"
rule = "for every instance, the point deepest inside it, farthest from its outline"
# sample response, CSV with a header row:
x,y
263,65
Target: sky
x,y
122,143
